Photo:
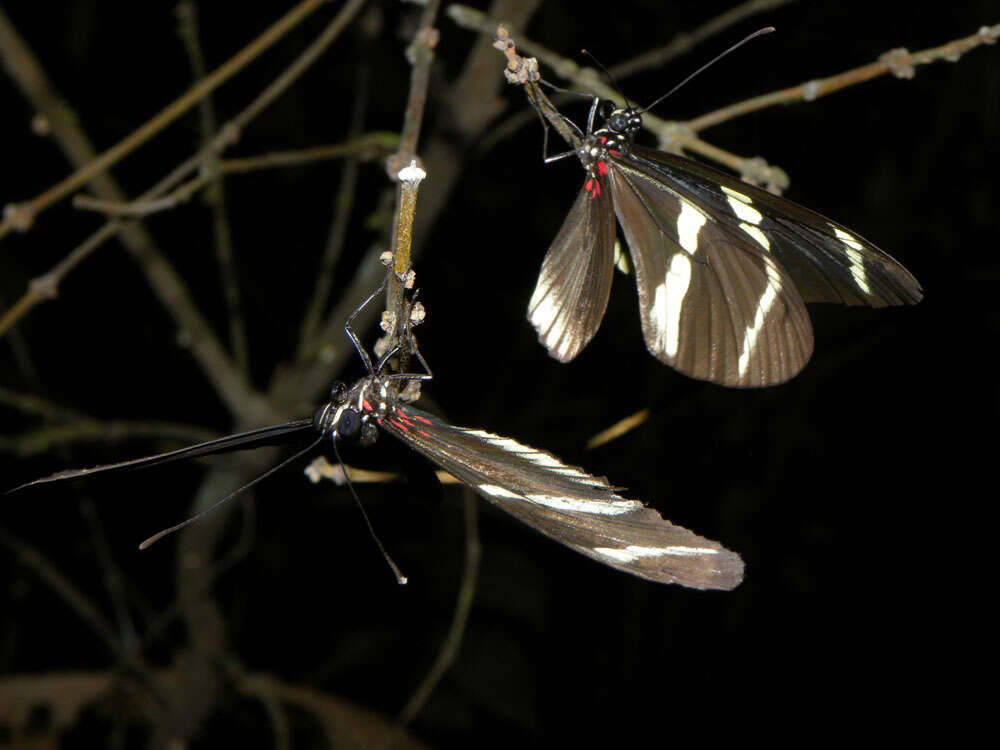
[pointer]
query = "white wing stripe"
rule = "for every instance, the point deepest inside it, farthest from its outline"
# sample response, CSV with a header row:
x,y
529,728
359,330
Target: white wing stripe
x,y
689,223
853,250
634,552
763,308
580,505
497,491
744,212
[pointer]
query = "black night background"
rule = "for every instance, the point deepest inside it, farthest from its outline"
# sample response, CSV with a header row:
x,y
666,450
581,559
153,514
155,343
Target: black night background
x,y
848,491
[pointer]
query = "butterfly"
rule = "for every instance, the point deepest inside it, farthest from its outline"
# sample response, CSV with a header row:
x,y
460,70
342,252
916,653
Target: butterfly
x,y
563,502
723,268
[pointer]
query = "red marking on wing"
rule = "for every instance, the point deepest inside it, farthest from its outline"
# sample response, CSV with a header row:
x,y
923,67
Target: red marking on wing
x,y
425,434
602,168
401,425
425,420
616,153
593,187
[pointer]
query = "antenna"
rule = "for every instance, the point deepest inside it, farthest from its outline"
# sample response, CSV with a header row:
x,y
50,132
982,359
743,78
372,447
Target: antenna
x,y
159,535
759,32
400,578
608,74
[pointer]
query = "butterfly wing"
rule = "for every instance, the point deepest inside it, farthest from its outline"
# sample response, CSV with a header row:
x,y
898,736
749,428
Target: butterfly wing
x,y
827,262
573,287
567,504
715,304
243,441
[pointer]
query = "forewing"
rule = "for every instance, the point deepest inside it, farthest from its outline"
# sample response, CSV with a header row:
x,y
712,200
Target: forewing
x,y
714,302
243,441
572,292
567,504
827,262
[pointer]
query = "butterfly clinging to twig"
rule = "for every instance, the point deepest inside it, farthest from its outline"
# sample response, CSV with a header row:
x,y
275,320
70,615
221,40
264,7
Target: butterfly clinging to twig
x,y
563,502
723,268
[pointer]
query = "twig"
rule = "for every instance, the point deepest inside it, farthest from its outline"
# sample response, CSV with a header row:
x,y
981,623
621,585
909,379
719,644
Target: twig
x,y
670,133
898,62
22,216
215,194
478,82
403,166
681,44
463,606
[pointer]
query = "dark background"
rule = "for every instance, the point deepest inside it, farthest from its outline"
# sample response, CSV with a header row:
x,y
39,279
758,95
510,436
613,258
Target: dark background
x,y
843,490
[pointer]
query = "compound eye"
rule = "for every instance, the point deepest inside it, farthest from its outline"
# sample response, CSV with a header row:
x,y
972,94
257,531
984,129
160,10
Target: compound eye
x,y
618,121
348,424
337,392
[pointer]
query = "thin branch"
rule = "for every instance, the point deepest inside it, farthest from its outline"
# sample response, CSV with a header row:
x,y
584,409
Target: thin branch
x,y
477,82
525,72
681,44
215,194
403,166
21,216
898,62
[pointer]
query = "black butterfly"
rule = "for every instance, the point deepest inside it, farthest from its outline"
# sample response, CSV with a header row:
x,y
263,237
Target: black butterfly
x,y
722,268
563,502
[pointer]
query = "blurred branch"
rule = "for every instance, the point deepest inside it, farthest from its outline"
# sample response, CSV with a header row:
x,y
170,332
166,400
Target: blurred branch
x,y
367,147
619,428
343,207
21,216
113,578
215,193
30,404
463,606
87,430
61,586
235,391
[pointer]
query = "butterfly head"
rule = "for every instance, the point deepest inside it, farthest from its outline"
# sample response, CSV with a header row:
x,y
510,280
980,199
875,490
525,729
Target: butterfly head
x,y
620,123
352,413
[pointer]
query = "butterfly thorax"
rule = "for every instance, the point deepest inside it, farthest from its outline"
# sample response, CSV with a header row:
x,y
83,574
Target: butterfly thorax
x,y
354,412
613,138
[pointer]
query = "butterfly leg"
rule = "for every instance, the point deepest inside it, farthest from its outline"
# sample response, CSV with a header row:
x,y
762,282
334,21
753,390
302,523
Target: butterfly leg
x,y
354,336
